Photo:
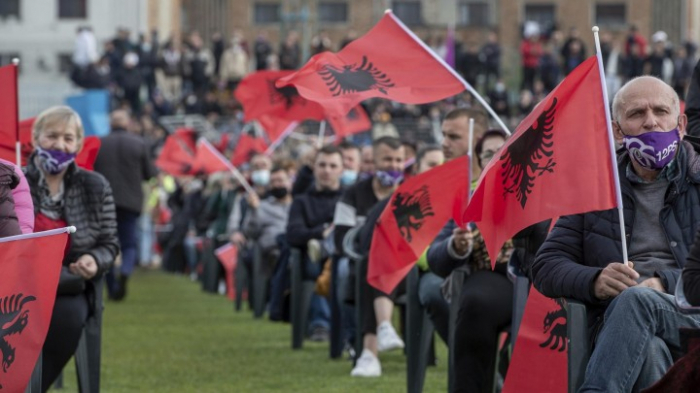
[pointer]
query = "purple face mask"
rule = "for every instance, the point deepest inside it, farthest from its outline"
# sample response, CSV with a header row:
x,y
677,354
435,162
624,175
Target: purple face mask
x,y
653,150
389,178
54,162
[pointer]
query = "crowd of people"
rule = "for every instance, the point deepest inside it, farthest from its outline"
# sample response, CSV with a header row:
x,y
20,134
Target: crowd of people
x,y
309,196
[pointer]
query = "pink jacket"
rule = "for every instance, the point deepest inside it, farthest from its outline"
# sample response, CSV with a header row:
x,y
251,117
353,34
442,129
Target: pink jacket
x,y
24,207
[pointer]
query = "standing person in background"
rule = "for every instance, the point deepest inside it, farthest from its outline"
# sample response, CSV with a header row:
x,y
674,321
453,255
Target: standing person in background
x,y
234,64
130,80
199,65
490,56
218,46
169,75
290,52
530,50
125,161
262,50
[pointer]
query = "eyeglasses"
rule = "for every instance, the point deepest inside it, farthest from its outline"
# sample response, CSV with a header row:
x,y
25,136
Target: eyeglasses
x,y
487,154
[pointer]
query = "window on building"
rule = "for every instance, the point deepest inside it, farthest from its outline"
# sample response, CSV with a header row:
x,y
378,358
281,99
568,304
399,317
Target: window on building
x,y
408,11
72,9
610,15
473,13
267,13
333,12
543,14
9,8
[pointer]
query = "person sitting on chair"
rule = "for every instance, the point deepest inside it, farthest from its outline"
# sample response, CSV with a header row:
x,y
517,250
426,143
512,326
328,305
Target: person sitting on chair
x,y
64,195
633,320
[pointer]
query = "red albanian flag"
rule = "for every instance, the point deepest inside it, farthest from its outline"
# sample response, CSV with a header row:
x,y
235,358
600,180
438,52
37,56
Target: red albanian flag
x,y
7,145
540,362
416,212
388,62
228,256
175,158
87,156
354,122
8,106
29,266
556,163
260,96
276,127
246,147
210,160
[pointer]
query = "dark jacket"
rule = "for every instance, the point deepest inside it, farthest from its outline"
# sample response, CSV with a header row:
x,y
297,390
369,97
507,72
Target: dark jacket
x,y
124,159
580,246
89,206
691,274
692,103
311,213
9,225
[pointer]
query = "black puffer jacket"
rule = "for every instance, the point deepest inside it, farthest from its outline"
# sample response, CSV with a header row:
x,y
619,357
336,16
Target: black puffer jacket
x,y
581,245
89,206
9,225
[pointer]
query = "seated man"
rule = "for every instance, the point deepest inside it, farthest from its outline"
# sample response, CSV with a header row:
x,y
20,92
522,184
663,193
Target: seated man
x,y
632,317
351,211
311,218
267,219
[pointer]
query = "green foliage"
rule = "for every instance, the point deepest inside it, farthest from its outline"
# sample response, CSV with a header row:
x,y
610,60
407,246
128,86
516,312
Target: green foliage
x,y
169,336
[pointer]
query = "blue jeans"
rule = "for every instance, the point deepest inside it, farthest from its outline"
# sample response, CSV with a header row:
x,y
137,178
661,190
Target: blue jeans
x,y
435,304
145,239
319,313
128,239
635,346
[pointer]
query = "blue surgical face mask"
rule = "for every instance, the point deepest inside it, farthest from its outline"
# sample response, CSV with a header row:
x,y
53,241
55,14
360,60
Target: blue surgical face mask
x,y
261,177
348,177
389,178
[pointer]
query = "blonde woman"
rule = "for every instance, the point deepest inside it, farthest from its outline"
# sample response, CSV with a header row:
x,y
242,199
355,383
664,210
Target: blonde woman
x,y
64,194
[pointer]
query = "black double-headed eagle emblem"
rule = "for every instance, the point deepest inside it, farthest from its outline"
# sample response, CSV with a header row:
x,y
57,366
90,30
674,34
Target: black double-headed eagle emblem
x,y
355,78
529,156
410,211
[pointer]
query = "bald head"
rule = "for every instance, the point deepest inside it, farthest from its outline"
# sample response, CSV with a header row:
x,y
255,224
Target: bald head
x,y
119,119
644,86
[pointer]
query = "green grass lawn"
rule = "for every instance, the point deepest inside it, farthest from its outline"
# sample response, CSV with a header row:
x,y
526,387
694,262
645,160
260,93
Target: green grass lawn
x,y
169,336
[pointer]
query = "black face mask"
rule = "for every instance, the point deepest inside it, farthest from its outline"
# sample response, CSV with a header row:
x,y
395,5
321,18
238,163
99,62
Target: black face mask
x,y
279,192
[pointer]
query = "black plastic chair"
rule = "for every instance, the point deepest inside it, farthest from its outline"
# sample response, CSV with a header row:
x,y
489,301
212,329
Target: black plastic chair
x,y
521,290
88,355
579,350
302,291
420,350
259,282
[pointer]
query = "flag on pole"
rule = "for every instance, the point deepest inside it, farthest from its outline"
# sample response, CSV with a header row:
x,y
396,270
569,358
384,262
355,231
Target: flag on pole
x,y
8,105
416,212
246,147
210,160
354,122
175,157
276,127
557,163
387,62
29,266
259,96
228,256
539,362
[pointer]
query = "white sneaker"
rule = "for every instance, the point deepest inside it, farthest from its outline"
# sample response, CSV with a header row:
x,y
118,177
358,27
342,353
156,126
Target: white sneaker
x,y
387,339
367,365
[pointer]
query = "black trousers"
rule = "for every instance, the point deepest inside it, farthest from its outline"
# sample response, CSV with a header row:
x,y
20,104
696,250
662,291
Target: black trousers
x,y
67,321
485,309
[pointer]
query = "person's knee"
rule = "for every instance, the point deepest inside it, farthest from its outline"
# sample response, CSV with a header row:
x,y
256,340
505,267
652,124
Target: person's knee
x,y
635,298
429,290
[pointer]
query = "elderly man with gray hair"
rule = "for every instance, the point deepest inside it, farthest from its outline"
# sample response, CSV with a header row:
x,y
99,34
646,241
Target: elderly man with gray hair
x,y
633,321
